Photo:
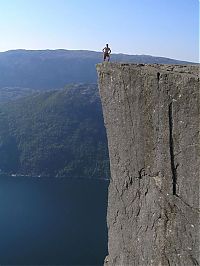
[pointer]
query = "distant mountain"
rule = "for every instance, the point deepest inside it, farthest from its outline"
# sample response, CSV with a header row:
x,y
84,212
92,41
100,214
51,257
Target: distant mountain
x,y
56,133
53,69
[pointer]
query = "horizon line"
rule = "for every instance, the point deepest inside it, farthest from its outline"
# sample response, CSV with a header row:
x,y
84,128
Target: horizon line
x,y
95,51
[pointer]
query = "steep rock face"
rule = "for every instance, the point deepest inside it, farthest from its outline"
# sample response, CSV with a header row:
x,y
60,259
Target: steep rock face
x,y
151,113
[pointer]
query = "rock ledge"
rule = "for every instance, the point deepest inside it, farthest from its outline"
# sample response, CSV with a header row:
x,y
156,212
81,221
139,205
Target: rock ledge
x,y
151,113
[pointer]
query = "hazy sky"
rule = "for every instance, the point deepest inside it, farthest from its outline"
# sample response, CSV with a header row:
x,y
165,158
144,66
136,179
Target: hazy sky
x,y
166,28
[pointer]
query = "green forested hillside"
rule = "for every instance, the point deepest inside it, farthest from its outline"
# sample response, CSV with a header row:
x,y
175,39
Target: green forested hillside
x,y
57,133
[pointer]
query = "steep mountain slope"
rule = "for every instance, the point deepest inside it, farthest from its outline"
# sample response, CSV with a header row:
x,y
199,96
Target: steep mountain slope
x,y
52,69
57,133
13,93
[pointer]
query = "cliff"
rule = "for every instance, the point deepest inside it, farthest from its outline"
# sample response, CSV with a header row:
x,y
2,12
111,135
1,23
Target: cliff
x,y
151,113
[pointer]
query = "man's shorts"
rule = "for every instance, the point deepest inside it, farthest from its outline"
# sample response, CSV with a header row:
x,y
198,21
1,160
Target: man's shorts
x,y
106,55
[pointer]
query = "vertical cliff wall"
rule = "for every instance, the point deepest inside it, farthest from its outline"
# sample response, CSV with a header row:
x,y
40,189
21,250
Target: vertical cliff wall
x,y
151,114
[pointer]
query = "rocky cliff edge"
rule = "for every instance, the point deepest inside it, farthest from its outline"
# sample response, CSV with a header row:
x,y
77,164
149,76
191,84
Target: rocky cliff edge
x,y
151,114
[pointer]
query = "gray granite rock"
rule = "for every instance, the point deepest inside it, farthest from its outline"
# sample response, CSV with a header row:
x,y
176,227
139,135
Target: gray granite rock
x,y
151,114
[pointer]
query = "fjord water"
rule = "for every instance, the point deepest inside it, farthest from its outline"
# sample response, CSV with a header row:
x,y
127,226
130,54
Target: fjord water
x,y
52,221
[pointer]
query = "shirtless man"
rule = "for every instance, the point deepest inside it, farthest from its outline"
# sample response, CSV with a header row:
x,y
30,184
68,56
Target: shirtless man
x,y
106,53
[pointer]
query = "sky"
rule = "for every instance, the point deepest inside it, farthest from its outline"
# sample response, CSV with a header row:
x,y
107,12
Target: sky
x,y
168,28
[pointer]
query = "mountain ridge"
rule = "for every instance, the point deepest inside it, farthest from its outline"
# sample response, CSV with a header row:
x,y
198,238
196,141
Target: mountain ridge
x,y
53,69
93,52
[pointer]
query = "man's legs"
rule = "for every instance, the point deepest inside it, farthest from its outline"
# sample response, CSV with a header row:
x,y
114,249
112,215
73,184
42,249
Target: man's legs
x,y
106,56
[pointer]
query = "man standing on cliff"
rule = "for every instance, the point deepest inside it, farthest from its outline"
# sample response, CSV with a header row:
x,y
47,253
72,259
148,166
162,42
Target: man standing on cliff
x,y
106,53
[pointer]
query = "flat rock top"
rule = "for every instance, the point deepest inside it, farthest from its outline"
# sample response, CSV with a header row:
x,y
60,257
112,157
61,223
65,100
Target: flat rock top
x,y
178,69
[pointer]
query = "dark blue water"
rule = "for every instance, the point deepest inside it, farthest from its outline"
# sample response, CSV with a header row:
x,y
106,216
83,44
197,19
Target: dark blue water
x,y
52,221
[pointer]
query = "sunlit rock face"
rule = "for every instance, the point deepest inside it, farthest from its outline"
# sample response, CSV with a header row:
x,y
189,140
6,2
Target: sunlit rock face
x,y
151,114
